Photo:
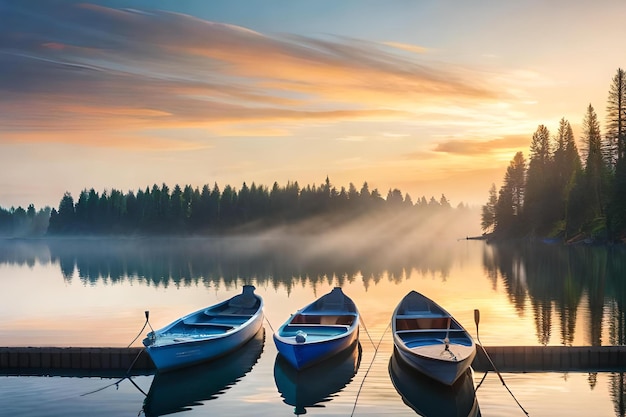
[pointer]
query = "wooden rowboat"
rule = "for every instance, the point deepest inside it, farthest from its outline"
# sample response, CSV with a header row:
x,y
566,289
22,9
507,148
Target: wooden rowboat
x,y
207,333
430,340
318,331
430,399
192,386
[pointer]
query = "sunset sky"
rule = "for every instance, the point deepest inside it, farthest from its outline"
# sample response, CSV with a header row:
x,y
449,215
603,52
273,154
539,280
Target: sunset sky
x,y
427,96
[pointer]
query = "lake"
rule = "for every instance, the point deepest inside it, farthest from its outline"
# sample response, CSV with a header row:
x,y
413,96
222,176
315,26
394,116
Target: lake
x,y
94,292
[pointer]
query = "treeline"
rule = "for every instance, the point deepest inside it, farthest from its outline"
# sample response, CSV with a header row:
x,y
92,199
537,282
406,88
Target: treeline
x,y
208,211
20,222
562,193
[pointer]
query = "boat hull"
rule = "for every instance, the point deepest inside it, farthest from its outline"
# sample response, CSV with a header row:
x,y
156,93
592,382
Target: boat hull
x,y
185,388
303,355
429,399
208,333
311,387
324,328
169,357
443,371
428,339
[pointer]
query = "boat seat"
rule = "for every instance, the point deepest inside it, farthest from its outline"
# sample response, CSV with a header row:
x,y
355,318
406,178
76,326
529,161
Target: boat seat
x,y
426,314
228,315
315,329
205,324
451,331
337,326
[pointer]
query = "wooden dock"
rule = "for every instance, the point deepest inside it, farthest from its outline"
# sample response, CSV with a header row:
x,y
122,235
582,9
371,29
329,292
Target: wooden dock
x,y
96,361
552,358
103,361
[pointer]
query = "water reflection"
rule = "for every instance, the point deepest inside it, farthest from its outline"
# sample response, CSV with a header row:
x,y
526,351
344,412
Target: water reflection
x,y
177,391
555,278
188,261
616,388
549,282
316,385
430,399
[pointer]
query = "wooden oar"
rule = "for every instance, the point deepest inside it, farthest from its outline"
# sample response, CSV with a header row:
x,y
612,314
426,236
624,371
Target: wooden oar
x,y
477,320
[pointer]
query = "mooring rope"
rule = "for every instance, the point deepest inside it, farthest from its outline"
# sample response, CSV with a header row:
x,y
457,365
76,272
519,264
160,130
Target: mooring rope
x,y
147,323
127,374
356,400
481,381
368,333
477,320
270,324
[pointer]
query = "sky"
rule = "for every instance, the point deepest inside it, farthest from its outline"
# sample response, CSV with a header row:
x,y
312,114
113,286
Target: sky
x,y
430,97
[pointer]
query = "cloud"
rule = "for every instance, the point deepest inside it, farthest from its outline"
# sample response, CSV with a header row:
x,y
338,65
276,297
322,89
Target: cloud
x,y
110,139
79,67
472,148
407,47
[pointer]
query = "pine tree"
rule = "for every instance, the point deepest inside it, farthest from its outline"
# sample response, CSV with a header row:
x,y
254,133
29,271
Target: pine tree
x,y
595,165
511,198
566,158
616,135
515,178
616,118
488,215
539,205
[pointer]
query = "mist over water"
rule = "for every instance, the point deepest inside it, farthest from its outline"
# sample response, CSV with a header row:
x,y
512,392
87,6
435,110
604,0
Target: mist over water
x,y
316,249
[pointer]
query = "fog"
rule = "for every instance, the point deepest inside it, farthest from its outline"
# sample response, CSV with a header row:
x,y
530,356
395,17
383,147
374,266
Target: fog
x,y
314,250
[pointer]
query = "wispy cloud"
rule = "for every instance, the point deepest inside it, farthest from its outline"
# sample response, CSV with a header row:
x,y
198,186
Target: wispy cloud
x,y
472,148
407,47
84,67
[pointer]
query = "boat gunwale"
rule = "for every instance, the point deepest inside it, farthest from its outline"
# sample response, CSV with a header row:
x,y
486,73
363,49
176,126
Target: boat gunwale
x,y
289,340
311,310
159,333
412,355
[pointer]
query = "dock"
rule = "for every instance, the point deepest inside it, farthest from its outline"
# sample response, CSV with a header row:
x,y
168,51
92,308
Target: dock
x,y
70,361
105,361
551,358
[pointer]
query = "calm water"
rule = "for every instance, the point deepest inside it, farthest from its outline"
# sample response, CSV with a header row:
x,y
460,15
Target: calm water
x,y
94,293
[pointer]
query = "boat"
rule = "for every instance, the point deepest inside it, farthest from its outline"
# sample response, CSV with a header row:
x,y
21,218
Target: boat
x,y
311,387
318,331
430,399
182,389
207,333
430,340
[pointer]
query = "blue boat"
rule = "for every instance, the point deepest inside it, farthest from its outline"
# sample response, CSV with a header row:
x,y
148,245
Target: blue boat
x,y
207,333
311,387
318,331
183,389
430,340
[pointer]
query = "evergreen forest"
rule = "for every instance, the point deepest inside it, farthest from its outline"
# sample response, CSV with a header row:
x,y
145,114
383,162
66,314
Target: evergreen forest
x,y
189,211
562,193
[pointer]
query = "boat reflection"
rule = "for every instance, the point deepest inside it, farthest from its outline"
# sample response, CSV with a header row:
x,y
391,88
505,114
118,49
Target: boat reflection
x,y
310,387
429,398
179,390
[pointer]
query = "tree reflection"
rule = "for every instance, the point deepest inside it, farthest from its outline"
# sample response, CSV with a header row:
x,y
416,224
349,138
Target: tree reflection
x,y
280,262
616,389
555,279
